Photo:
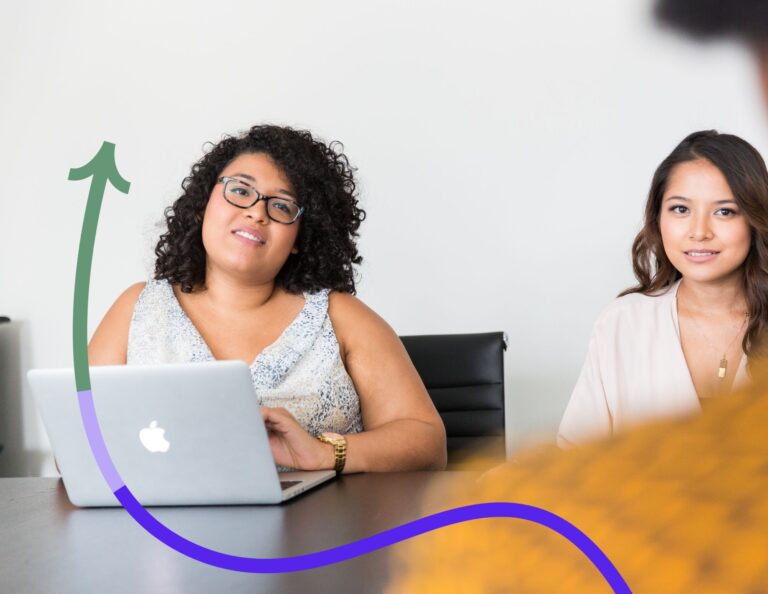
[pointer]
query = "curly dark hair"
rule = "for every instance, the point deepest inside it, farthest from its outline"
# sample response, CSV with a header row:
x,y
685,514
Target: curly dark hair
x,y
325,185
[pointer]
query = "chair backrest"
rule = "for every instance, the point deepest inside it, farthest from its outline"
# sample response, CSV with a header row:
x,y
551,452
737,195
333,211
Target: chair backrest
x,y
464,375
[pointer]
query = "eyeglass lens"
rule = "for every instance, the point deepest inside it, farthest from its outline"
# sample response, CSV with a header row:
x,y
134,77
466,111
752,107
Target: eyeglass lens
x,y
279,209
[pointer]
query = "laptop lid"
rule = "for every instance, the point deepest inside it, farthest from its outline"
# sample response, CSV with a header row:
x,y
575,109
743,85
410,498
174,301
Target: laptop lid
x,y
178,434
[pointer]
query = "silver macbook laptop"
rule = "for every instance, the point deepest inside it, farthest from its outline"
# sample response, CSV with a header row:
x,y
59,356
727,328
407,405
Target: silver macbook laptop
x,y
179,434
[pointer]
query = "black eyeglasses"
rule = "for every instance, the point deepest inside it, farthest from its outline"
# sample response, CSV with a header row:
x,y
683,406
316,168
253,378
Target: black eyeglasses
x,y
241,195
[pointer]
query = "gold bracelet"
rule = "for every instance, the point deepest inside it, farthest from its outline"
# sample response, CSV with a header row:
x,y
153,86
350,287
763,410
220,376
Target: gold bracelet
x,y
339,444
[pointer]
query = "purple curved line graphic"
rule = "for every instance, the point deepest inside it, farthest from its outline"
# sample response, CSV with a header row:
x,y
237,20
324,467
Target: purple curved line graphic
x,y
377,541
103,169
96,440
344,552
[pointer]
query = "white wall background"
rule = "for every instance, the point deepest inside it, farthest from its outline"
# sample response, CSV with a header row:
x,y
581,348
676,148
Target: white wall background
x,y
504,152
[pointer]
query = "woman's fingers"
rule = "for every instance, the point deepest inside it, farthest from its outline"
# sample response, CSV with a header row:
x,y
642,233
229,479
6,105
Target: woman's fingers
x,y
290,443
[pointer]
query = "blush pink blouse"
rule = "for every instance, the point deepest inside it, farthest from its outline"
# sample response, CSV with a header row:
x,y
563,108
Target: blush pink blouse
x,y
635,370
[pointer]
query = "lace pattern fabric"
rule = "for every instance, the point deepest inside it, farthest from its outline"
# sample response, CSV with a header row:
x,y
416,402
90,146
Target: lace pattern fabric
x,y
301,371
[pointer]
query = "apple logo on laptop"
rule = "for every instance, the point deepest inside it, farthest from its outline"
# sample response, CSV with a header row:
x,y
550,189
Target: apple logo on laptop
x,y
152,438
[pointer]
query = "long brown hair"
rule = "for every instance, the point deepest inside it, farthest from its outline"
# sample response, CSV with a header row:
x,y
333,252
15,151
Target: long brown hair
x,y
744,170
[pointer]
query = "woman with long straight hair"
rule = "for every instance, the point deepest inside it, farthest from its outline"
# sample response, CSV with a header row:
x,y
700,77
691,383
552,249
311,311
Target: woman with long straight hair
x,y
695,324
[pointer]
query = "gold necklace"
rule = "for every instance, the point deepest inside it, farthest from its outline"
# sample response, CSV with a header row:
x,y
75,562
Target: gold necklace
x,y
723,367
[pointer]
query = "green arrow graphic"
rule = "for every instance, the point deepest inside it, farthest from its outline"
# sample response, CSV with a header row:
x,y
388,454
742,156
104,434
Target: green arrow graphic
x,y
102,169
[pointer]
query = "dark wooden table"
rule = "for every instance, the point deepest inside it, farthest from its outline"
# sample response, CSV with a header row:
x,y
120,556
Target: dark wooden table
x,y
48,545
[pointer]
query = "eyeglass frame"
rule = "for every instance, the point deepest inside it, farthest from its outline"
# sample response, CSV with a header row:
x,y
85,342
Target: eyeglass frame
x,y
259,197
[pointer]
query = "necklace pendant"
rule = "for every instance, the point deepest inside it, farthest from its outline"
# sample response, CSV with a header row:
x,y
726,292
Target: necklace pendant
x,y
723,367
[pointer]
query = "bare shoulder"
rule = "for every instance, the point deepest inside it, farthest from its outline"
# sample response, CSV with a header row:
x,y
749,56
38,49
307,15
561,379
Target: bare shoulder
x,y
126,302
131,294
355,323
347,310
109,344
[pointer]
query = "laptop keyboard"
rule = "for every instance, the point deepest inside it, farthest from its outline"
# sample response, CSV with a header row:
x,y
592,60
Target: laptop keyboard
x,y
288,484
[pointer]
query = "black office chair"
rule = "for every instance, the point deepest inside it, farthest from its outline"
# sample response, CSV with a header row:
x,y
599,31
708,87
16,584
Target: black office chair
x,y
464,375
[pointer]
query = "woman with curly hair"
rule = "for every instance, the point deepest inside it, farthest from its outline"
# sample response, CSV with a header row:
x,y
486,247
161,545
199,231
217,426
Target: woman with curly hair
x,y
257,264
696,322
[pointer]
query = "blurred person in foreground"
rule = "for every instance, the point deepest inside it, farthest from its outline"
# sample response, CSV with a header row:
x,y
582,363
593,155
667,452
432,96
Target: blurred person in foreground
x,y
745,20
678,506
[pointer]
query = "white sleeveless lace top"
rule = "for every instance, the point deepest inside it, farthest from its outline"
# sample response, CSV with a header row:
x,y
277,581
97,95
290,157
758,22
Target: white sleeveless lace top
x,y
301,371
